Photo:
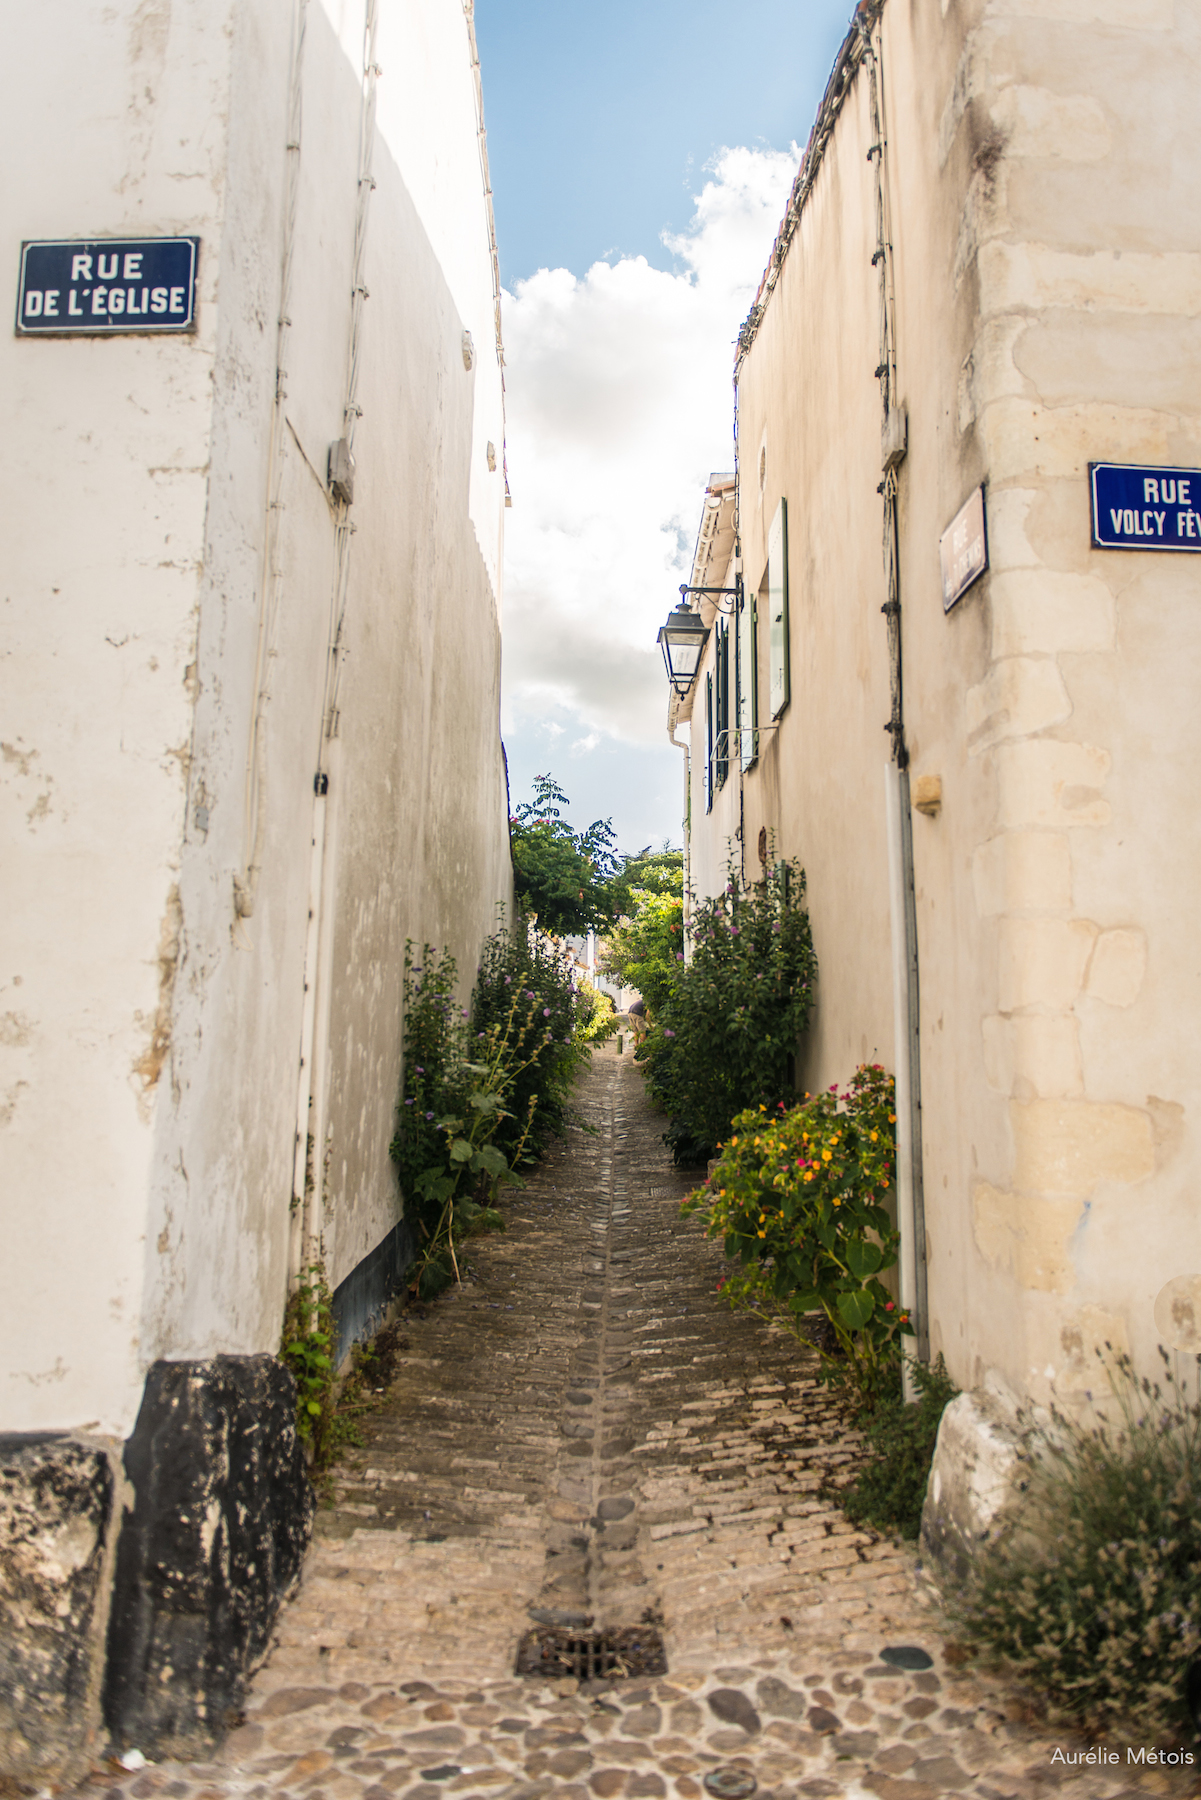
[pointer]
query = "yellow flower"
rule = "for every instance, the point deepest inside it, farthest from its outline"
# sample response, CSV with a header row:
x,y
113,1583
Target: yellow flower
x,y
733,1141
892,1118
838,1203
826,1155
763,1234
875,1136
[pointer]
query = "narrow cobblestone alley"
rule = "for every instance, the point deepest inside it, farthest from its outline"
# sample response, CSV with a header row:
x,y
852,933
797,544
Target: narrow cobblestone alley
x,y
583,1433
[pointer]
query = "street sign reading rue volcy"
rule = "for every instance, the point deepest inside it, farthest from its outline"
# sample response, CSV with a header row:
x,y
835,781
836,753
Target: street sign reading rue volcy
x,y
101,286
1137,508
963,549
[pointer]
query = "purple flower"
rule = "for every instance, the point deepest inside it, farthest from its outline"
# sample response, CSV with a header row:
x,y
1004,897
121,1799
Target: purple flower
x,y
668,1032
466,1014
420,1071
429,1115
408,1103
679,956
508,980
546,1012
733,931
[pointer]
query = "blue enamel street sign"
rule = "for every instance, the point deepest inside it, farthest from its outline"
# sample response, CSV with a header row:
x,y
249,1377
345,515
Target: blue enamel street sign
x,y
101,286
1136,508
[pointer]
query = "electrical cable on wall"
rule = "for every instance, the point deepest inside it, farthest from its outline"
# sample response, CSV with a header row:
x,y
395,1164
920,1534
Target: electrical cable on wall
x,y
271,578
481,137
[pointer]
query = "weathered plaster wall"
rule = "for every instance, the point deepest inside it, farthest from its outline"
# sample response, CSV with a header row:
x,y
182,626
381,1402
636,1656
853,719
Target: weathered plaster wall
x,y
1080,244
153,1040
809,431
1042,165
105,466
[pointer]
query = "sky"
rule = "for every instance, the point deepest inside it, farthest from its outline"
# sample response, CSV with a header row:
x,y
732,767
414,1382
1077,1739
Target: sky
x,y
641,157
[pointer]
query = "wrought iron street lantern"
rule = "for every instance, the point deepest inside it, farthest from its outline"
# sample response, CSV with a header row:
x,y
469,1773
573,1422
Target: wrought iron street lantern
x,y
682,640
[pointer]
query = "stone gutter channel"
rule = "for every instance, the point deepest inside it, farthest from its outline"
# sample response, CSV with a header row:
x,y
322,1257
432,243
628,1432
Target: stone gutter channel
x,y
583,1433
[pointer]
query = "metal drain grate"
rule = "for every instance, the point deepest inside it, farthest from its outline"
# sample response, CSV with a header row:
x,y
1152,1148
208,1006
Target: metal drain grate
x,y
591,1655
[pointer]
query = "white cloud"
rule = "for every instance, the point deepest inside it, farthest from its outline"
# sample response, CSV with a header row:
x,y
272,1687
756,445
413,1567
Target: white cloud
x,y
619,406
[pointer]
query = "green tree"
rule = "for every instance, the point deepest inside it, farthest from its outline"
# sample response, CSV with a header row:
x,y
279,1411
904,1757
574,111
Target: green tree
x,y
565,880
645,949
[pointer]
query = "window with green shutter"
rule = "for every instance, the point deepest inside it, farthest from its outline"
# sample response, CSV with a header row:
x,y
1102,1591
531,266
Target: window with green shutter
x,y
748,679
722,702
777,602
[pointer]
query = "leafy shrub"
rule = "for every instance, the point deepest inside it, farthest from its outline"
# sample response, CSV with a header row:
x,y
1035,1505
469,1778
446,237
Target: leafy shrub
x,y
725,1032
456,1102
1093,1592
798,1200
565,1018
890,1491
485,1086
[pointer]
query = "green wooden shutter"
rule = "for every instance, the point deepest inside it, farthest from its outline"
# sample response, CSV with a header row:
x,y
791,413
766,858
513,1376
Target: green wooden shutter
x,y
748,679
777,601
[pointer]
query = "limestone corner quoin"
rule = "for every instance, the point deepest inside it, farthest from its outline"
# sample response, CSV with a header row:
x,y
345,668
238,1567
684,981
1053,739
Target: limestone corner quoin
x,y
1038,260
250,745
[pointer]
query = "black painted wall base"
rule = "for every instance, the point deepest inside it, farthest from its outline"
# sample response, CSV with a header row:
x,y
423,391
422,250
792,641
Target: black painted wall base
x,y
56,1507
218,1531
359,1302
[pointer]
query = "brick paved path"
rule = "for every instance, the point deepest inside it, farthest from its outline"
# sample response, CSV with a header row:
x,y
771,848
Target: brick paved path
x,y
584,1432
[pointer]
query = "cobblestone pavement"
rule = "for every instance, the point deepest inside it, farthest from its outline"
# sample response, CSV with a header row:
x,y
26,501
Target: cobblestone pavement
x,y
583,1432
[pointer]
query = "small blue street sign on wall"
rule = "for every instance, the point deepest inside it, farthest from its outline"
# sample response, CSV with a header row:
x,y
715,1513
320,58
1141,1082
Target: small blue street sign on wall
x,y
102,286
1136,508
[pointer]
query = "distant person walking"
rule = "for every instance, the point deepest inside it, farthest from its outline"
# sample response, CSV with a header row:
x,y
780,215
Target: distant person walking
x,y
638,1023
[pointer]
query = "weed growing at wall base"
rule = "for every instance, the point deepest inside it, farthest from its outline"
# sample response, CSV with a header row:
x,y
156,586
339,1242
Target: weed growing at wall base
x,y
890,1490
1093,1592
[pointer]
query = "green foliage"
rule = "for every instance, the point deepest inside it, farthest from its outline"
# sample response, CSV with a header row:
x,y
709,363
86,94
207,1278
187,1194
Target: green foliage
x,y
654,872
566,1018
798,1199
485,1086
891,1489
726,1027
327,1410
563,879
456,1104
1093,1593
305,1346
645,950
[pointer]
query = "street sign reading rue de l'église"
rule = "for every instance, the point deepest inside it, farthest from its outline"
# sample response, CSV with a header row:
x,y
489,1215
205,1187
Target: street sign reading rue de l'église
x,y
102,286
1137,508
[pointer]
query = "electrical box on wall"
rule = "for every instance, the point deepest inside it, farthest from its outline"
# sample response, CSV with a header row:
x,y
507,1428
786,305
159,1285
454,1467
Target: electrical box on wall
x,y
341,471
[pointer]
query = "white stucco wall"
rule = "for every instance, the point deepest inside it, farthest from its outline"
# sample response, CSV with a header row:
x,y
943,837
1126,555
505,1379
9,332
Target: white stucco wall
x,y
149,1040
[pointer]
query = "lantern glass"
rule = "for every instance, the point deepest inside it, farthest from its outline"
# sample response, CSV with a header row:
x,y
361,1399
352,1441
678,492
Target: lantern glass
x,y
682,640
